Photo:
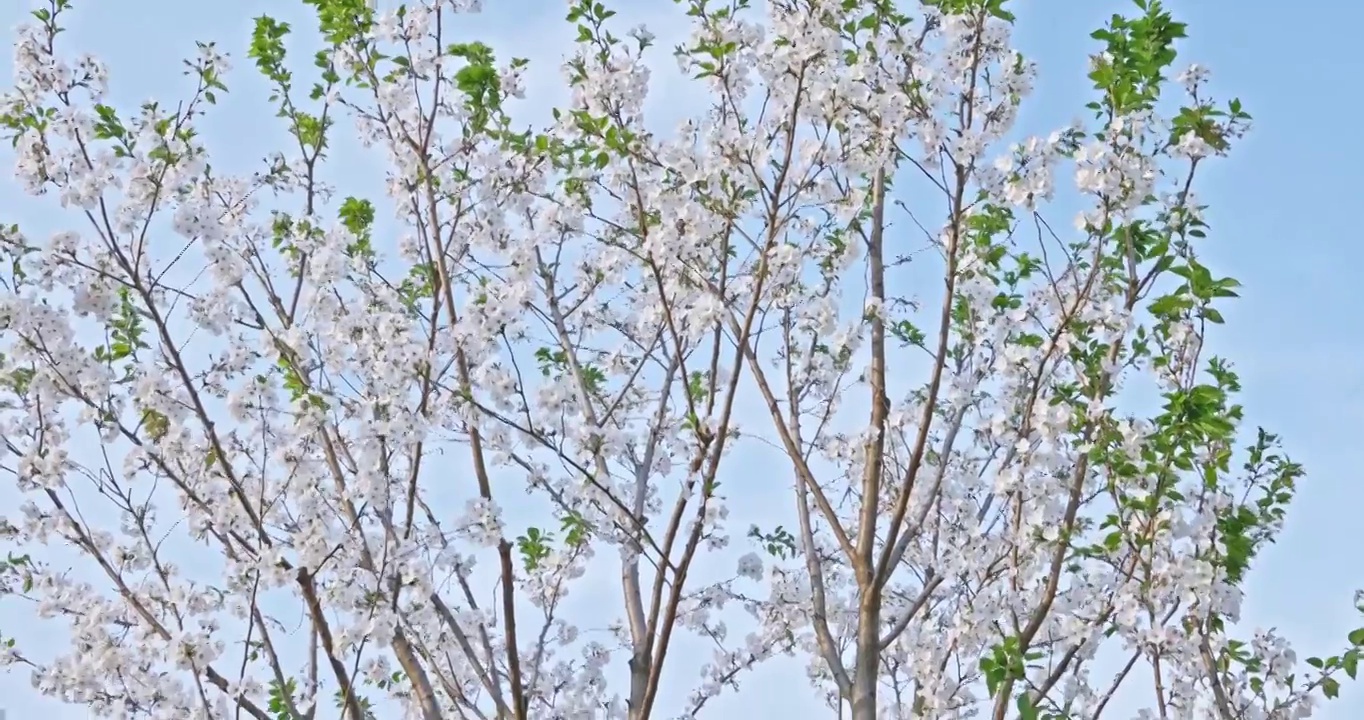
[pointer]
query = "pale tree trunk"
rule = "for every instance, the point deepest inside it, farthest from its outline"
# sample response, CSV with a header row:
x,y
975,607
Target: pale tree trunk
x,y
867,662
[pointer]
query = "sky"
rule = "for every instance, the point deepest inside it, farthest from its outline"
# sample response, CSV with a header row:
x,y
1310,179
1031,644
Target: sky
x,y
1280,221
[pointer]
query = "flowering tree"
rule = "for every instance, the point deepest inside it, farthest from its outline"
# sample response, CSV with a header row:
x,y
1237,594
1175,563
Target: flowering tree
x,y
285,455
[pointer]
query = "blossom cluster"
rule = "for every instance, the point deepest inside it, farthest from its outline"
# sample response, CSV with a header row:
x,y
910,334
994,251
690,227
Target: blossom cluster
x,y
378,450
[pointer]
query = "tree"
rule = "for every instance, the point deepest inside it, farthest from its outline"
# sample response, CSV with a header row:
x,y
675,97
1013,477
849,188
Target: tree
x,y
544,348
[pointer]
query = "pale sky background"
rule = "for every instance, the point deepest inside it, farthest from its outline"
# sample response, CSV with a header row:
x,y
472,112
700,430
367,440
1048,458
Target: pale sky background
x,y
1280,223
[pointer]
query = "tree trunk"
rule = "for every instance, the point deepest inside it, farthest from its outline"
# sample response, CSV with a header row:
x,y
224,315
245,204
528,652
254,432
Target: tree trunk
x,y
867,664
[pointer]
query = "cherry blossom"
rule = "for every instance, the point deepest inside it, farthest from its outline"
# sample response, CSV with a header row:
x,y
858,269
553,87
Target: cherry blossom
x,y
502,438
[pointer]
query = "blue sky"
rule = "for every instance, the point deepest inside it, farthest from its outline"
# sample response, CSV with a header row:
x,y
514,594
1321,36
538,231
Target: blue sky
x,y
1280,218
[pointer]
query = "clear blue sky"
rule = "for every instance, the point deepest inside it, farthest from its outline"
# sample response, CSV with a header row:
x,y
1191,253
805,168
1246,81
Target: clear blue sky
x,y
1280,217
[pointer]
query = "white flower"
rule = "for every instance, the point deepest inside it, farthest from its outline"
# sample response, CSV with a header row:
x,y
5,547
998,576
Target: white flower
x,y
751,566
